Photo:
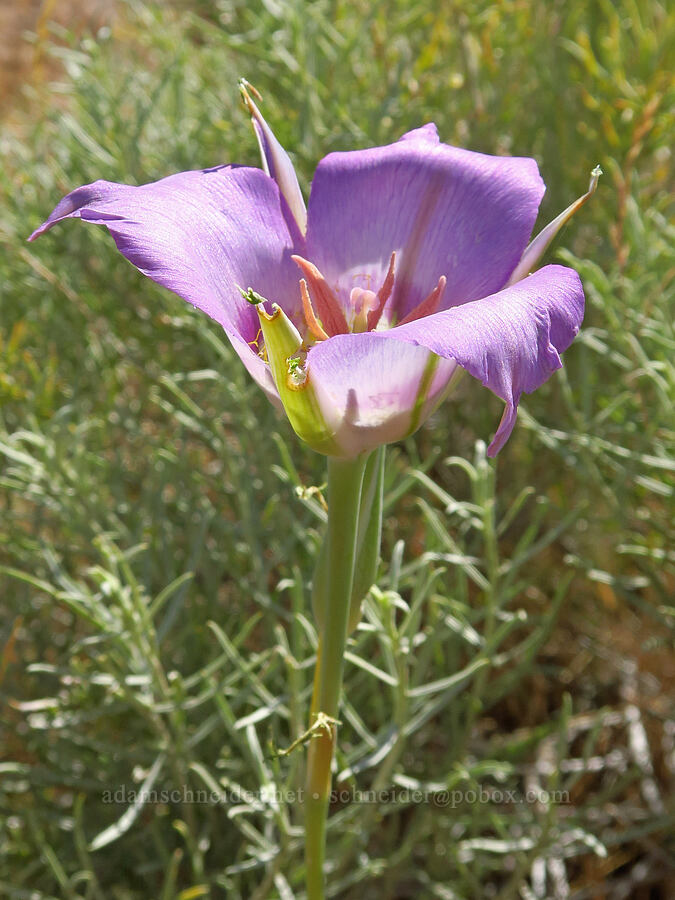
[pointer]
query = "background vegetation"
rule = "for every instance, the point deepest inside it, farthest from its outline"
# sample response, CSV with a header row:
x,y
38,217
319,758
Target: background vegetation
x,y
159,520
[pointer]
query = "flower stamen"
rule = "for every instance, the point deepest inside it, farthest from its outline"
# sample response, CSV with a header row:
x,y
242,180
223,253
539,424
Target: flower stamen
x,y
312,322
383,295
429,305
330,312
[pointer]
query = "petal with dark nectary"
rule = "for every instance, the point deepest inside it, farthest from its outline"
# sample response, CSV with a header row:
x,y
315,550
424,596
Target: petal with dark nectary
x,y
201,234
443,210
511,341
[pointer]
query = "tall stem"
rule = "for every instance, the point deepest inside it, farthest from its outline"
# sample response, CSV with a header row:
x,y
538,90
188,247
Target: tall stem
x,y
345,480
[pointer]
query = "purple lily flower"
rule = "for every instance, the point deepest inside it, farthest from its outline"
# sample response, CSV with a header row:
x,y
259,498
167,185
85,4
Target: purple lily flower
x,y
399,273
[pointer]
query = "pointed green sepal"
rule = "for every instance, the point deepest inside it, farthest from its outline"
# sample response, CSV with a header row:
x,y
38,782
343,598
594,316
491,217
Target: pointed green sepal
x,y
287,357
536,249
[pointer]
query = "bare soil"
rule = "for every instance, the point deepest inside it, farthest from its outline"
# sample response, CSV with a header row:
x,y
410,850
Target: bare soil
x,y
29,27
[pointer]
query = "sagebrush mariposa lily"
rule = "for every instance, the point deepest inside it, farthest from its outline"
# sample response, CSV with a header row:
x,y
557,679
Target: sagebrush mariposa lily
x,y
410,262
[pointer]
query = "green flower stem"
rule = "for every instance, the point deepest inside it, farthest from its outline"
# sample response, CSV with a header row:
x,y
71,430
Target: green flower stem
x,y
345,481
367,546
369,535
